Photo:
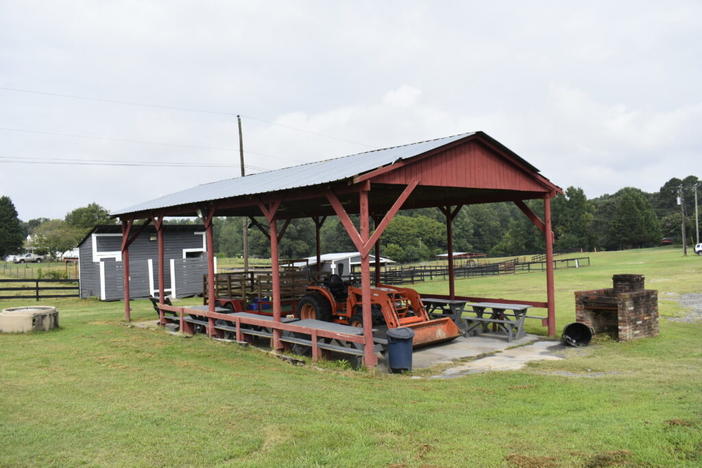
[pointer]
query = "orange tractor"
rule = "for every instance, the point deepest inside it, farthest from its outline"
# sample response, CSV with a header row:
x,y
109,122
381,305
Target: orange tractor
x,y
395,307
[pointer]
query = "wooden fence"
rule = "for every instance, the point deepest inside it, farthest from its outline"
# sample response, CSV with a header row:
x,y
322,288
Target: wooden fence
x,y
413,274
38,288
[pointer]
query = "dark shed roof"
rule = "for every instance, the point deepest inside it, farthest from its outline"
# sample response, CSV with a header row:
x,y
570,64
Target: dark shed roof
x,y
150,229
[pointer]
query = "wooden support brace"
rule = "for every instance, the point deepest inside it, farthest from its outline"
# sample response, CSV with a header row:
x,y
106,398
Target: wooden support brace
x,y
389,215
345,220
533,217
281,233
365,245
270,210
259,226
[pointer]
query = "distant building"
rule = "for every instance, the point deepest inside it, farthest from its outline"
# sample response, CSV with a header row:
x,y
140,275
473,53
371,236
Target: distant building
x,y
457,255
339,263
101,267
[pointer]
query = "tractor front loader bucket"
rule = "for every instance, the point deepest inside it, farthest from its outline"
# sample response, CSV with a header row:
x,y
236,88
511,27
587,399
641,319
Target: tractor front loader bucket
x,y
433,331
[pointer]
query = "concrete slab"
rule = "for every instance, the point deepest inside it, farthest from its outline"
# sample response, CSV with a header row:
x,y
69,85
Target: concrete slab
x,y
463,348
510,359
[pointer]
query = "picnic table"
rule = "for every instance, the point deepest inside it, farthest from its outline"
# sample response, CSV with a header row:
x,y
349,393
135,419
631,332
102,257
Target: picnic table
x,y
505,319
453,308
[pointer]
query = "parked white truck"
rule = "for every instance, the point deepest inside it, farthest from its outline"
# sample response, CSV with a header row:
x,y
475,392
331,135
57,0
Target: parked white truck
x,y
28,258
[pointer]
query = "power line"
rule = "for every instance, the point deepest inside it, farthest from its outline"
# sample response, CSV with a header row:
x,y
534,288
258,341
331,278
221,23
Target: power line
x,y
177,108
129,140
125,140
104,162
115,101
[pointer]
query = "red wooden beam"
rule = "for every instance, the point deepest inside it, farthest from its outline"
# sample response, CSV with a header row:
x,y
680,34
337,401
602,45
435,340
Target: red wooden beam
x,y
550,286
158,222
135,233
270,210
533,217
345,220
540,305
282,230
126,228
318,222
389,215
369,356
376,253
259,226
211,302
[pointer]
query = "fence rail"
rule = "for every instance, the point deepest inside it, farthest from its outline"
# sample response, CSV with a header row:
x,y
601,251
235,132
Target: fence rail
x,y
402,275
38,288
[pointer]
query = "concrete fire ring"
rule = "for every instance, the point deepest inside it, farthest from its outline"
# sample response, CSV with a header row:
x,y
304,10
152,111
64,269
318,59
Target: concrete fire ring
x,y
29,318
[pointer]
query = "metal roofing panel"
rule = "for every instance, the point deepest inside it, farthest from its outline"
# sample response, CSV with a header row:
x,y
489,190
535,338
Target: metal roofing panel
x,y
304,175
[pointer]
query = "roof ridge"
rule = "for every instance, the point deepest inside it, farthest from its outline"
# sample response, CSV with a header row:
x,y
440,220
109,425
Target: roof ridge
x,y
345,156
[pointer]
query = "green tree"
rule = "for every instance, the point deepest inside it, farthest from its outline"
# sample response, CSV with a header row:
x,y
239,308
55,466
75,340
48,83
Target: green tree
x,y
88,217
334,237
227,234
412,238
11,233
633,221
572,221
56,236
521,236
29,227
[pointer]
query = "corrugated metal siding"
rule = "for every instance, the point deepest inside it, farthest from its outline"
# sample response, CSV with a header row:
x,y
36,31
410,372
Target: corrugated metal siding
x,y
89,280
469,166
189,273
305,175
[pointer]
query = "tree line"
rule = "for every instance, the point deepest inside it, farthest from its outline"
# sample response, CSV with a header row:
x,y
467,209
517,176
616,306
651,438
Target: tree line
x,y
629,218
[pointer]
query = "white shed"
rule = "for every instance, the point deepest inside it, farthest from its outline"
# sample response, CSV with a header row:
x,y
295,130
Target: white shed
x,y
339,263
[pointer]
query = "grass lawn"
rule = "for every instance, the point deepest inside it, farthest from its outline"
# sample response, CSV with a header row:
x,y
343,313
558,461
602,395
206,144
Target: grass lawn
x,y
99,392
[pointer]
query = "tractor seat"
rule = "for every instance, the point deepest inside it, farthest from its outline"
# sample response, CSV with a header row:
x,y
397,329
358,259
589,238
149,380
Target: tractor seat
x,y
337,287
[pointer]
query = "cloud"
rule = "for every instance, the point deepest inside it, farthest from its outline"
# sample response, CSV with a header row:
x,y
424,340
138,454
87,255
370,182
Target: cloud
x,y
598,95
404,96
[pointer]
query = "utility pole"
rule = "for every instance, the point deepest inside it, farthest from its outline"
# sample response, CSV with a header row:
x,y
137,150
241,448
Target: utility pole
x,y
245,228
681,202
697,219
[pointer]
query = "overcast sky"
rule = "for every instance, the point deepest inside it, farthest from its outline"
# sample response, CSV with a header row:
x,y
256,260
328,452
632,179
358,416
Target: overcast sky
x,y
595,94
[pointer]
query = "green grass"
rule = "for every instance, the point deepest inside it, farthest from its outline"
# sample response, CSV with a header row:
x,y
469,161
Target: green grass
x,y
100,393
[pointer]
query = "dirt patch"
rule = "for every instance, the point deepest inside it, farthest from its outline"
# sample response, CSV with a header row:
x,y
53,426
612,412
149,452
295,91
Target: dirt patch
x,y
616,457
692,302
579,375
529,461
679,422
424,449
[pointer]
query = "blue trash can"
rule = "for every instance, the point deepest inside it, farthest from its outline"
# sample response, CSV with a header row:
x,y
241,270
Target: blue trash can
x,y
400,349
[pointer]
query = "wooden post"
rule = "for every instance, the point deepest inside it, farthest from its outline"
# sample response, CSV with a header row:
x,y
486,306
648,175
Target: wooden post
x,y
158,223
275,279
450,215
269,211
211,299
318,222
550,287
376,253
369,356
126,230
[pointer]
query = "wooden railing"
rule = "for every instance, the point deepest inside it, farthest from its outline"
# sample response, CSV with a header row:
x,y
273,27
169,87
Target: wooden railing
x,y
38,288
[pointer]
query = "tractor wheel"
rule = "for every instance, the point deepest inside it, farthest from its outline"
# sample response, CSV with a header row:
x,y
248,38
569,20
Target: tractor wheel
x,y
356,320
376,315
314,306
